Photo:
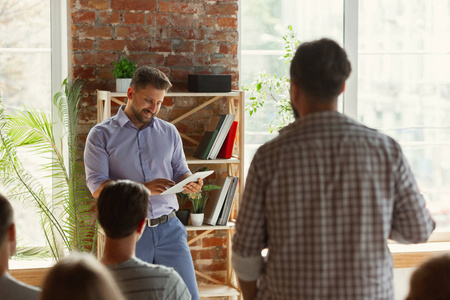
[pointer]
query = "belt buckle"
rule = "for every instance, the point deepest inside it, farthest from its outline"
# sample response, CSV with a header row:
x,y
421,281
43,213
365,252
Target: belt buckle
x,y
164,219
150,222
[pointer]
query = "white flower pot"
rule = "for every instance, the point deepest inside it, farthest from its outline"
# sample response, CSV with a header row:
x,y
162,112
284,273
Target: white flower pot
x,y
122,84
197,219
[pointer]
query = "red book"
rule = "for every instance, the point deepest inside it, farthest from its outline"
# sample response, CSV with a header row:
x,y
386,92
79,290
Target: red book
x,y
228,144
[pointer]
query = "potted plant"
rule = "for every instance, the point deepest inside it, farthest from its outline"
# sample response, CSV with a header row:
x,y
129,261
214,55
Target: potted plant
x,y
183,213
123,72
198,203
272,91
66,216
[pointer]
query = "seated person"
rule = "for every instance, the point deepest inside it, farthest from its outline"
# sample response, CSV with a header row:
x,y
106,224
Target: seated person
x,y
431,280
80,276
10,288
122,210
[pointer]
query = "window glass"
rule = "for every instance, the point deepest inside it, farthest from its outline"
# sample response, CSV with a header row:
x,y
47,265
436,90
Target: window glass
x,y
263,23
25,79
404,87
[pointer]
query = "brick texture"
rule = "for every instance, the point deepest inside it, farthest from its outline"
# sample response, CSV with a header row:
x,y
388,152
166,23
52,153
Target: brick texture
x,y
178,37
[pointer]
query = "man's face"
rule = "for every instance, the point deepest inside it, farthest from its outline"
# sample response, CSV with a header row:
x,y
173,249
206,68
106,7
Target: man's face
x,y
145,104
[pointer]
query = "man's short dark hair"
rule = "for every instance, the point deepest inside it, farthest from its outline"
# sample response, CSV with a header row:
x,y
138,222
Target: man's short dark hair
x,y
121,206
430,280
146,75
320,68
6,217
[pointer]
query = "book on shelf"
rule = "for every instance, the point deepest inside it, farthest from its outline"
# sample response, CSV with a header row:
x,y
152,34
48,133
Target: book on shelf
x,y
216,200
223,132
227,148
225,212
205,145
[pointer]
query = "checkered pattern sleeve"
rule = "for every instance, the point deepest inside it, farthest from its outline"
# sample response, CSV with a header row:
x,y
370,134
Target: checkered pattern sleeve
x,y
323,198
411,221
250,237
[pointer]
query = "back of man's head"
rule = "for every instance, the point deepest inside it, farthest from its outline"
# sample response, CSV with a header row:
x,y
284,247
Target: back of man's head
x,y
122,205
320,68
146,75
431,280
6,217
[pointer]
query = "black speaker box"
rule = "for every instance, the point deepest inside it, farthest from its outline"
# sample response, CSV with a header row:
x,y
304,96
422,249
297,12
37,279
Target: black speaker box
x,y
209,83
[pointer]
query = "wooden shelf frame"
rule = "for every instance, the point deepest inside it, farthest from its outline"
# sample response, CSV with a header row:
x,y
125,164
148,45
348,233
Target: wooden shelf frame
x,y
228,288
105,98
235,105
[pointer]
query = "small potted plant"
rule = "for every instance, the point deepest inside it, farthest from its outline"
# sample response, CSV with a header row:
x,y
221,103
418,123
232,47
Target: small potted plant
x,y
123,72
183,213
198,203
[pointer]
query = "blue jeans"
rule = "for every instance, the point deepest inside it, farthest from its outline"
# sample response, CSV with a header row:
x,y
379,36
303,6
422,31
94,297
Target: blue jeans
x,y
166,244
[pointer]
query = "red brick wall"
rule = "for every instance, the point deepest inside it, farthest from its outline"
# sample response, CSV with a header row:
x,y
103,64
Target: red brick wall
x,y
179,37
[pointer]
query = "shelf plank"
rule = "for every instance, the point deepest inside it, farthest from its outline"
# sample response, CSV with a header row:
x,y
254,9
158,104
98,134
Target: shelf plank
x,y
409,256
196,161
187,94
217,290
230,225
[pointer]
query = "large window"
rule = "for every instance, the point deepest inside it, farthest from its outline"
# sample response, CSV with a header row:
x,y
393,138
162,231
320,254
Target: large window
x,y
404,88
400,83
31,67
263,23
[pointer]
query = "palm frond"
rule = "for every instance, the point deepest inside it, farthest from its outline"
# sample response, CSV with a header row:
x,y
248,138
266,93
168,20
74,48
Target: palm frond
x,y
66,216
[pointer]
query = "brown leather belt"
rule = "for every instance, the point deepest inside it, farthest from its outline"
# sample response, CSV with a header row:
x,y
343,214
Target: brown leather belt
x,y
155,222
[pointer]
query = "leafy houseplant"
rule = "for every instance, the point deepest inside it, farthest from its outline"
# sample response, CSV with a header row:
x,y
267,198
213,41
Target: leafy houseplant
x,y
66,216
199,202
273,90
182,213
199,199
123,72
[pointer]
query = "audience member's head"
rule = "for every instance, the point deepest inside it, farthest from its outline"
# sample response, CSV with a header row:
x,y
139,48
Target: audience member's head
x,y
146,75
7,228
122,208
80,276
431,280
320,69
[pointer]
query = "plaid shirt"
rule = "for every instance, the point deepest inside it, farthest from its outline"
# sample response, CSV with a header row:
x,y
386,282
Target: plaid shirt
x,y
323,197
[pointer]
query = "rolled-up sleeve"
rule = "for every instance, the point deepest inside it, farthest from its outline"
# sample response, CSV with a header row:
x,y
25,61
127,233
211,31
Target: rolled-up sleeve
x,y
411,222
251,234
179,164
95,160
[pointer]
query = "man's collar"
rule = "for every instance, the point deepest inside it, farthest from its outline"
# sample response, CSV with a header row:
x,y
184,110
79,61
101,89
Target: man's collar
x,y
321,117
123,119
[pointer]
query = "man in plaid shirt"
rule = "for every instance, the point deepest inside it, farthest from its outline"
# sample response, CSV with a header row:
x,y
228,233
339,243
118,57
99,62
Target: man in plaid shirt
x,y
324,196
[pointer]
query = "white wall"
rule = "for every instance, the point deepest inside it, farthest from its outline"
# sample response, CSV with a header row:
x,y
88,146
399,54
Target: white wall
x,y
401,282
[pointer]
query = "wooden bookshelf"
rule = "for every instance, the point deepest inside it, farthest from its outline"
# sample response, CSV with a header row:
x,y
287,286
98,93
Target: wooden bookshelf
x,y
235,104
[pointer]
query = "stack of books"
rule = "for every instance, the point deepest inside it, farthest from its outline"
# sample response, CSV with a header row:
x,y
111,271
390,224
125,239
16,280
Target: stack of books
x,y
219,139
218,207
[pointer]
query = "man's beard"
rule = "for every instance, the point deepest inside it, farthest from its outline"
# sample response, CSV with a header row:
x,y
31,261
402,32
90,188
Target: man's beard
x,y
139,115
294,111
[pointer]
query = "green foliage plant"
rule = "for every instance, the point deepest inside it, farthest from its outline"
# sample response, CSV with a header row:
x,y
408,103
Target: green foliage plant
x,y
182,197
124,68
199,199
65,211
269,89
